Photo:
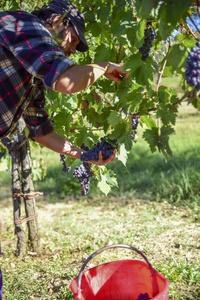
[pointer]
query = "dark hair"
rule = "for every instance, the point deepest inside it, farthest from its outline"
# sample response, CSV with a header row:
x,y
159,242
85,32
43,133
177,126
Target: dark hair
x,y
48,16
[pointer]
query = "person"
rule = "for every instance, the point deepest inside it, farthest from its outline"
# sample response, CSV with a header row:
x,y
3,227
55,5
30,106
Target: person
x,y
34,55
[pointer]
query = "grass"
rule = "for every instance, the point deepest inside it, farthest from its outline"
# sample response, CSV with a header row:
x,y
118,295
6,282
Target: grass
x,y
72,230
155,209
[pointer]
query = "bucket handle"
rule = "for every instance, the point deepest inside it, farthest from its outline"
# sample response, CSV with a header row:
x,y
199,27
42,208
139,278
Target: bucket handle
x,y
152,271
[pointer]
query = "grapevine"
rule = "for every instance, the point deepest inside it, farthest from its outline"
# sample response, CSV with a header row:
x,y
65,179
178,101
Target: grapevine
x,y
148,39
192,72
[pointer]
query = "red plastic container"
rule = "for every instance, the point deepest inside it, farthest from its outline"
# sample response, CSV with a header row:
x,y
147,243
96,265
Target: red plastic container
x,y
119,280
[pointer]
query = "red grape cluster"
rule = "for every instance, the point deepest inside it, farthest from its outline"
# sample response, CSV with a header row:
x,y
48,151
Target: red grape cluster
x,y
144,296
104,146
148,40
192,72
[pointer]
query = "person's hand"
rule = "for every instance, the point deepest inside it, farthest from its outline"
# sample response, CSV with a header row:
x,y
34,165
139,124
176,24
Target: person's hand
x,y
111,71
102,162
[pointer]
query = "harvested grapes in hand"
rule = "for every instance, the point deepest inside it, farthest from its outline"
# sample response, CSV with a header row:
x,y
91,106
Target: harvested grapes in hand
x,y
106,148
144,296
192,72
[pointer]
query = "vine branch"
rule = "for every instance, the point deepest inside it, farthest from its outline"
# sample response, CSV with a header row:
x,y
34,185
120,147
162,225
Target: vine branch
x,y
163,67
191,31
194,24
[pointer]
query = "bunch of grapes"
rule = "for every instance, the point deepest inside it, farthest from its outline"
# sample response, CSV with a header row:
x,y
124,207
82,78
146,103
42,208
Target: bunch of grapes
x,y
144,296
62,159
83,176
83,173
135,122
148,40
192,72
104,146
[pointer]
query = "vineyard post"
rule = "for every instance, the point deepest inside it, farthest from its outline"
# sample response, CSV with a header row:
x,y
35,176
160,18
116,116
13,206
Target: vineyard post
x,y
28,189
16,191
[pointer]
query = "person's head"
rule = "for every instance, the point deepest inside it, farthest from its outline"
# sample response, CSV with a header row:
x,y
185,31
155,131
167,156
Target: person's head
x,y
68,24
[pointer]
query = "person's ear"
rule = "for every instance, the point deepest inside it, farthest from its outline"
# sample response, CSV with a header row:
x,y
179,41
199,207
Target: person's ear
x,y
56,22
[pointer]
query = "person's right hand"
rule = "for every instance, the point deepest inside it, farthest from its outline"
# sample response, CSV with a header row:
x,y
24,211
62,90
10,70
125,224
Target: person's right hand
x,y
115,67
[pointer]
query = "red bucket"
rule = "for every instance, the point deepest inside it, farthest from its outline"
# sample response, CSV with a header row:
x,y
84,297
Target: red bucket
x,y
120,280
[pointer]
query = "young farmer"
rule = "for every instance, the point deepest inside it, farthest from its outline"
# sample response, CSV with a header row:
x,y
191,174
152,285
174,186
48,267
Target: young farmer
x,y
34,54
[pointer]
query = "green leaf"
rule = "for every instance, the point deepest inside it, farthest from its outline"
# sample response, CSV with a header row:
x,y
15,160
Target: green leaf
x,y
103,53
113,118
80,136
141,71
104,187
123,154
143,8
108,180
178,57
148,121
176,10
151,136
119,132
187,41
167,113
139,33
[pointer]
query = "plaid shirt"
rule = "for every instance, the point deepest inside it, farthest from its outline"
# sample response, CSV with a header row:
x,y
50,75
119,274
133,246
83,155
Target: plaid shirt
x,y
29,61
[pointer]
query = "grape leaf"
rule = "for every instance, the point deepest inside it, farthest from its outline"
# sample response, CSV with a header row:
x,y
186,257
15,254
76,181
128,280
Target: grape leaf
x,y
123,154
107,180
148,121
113,118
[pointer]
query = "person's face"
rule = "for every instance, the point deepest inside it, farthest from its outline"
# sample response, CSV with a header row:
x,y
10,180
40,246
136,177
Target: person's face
x,y
68,39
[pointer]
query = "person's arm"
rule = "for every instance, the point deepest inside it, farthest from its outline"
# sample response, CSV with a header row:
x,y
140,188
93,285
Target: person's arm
x,y
78,77
57,143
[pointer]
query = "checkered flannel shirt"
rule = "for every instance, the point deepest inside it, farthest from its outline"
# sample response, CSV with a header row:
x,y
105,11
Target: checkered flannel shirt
x,y
30,60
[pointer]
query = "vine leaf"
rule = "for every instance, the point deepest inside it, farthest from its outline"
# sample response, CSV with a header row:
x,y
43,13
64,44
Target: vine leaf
x,y
123,154
107,181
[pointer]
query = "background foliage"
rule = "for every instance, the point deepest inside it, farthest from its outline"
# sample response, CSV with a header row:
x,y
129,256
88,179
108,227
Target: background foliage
x,y
115,32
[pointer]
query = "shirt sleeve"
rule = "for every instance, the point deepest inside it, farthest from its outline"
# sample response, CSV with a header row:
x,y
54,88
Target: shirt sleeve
x,y
35,49
36,118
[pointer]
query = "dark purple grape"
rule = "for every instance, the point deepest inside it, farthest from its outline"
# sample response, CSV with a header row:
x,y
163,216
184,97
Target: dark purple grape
x,y
135,122
93,153
83,173
65,169
148,40
192,72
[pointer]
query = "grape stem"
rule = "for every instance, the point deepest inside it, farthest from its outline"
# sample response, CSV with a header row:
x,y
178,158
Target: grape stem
x,y
162,70
194,24
190,30
189,94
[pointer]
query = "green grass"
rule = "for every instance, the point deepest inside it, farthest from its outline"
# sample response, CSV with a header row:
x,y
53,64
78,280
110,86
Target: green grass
x,y
72,230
